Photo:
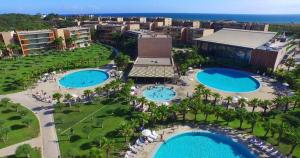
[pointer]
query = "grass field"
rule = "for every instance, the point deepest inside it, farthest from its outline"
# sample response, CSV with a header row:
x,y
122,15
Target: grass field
x,y
18,131
112,115
19,73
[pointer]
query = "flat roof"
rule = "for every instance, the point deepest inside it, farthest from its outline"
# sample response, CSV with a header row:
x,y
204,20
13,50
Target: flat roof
x,y
150,71
34,32
241,38
153,61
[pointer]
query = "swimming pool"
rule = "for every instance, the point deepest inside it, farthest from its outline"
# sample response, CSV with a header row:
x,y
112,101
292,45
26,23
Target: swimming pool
x,y
228,80
83,79
202,145
159,93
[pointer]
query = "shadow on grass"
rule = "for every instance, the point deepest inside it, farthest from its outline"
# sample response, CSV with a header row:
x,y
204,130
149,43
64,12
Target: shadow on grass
x,y
7,111
75,138
17,127
14,118
86,146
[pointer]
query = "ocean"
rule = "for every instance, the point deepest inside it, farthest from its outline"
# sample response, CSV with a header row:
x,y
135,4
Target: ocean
x,y
273,19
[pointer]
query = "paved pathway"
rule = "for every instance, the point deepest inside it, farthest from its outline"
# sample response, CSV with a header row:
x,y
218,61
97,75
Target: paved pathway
x,y
36,142
49,145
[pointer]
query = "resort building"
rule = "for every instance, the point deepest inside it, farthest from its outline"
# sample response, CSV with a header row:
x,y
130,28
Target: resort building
x,y
193,24
82,35
7,37
258,48
177,33
235,25
106,32
153,61
35,41
194,33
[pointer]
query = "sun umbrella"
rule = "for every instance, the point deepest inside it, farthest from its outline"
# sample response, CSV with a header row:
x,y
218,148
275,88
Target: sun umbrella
x,y
74,96
132,93
146,132
286,84
133,88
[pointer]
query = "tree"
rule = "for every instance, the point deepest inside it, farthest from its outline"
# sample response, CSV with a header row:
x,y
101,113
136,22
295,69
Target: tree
x,y
265,104
68,97
87,130
108,145
254,104
122,61
218,110
163,112
16,106
98,90
27,121
228,115
229,101
252,118
290,62
143,118
206,93
296,100
241,114
70,42
57,97
195,107
4,134
183,108
58,43
267,125
293,137
5,101
2,48
242,102
88,93
173,109
207,110
126,131
13,48
217,97
24,151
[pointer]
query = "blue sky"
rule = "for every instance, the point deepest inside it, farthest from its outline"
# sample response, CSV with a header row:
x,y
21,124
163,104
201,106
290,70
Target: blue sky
x,y
151,6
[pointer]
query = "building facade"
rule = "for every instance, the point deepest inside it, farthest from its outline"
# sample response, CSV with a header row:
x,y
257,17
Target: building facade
x,y
82,36
35,41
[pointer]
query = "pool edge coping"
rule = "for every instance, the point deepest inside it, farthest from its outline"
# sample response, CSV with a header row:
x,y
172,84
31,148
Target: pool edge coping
x,y
84,69
229,92
153,153
162,102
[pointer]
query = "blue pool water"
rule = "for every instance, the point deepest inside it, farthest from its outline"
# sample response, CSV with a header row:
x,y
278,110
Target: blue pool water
x,y
83,79
227,80
202,145
159,93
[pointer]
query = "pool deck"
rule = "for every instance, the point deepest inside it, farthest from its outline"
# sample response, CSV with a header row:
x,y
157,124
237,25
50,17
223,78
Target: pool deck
x,y
240,137
267,90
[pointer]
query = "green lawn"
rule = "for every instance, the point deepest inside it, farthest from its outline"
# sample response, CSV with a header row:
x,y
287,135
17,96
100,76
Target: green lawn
x,y
18,131
19,73
112,115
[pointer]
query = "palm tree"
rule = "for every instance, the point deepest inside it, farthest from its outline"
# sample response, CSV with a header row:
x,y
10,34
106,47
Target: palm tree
x,y
293,137
267,125
143,118
58,43
87,130
87,93
98,90
206,93
290,62
265,104
217,97
108,145
183,108
286,101
228,115
199,89
207,110
229,101
195,107
13,48
68,97
241,114
254,104
296,100
163,110
57,97
70,41
2,48
143,101
218,110
242,102
126,130
173,110
252,119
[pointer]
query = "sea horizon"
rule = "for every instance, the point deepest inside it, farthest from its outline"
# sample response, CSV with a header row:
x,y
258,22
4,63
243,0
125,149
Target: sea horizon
x,y
257,18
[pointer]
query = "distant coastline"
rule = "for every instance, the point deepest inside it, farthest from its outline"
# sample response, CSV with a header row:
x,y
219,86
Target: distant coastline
x,y
272,19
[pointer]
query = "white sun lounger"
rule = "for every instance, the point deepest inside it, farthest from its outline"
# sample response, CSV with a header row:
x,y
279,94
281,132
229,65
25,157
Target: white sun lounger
x,y
133,149
274,153
139,143
130,154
